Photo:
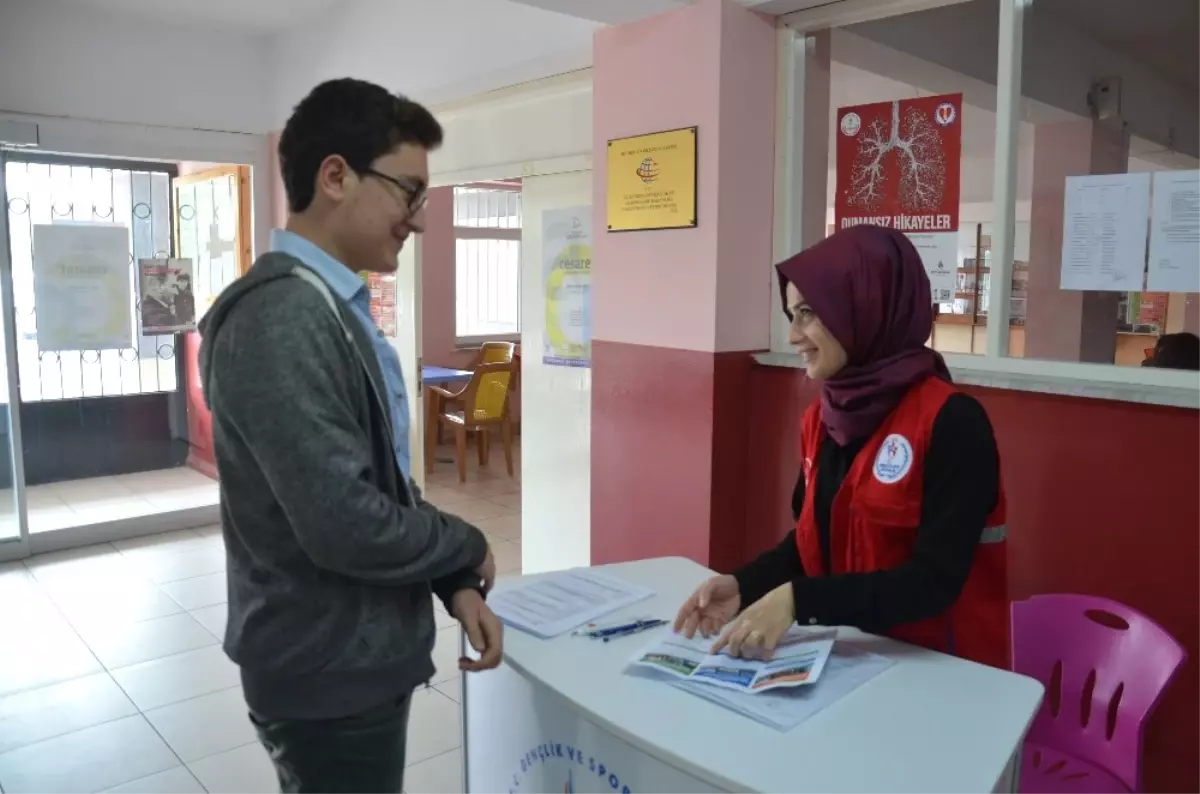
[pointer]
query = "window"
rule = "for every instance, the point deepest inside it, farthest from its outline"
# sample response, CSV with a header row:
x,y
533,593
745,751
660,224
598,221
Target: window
x,y
45,190
487,262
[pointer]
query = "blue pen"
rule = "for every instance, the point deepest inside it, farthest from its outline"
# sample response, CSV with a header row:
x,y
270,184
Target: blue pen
x,y
644,625
595,630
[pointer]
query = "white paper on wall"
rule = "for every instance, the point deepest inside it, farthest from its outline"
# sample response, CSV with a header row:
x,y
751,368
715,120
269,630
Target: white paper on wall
x,y
1175,232
939,254
82,288
1105,222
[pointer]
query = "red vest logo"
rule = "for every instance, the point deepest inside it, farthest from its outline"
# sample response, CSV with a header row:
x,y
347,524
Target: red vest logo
x,y
894,460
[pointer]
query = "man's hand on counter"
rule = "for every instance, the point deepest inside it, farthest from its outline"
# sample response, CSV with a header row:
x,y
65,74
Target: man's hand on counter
x,y
484,630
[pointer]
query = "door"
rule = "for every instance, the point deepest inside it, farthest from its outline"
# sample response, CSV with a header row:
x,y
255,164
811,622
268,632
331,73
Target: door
x,y
14,520
407,343
212,228
556,401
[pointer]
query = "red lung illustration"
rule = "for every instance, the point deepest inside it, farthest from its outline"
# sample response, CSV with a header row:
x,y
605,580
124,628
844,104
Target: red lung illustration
x,y
900,158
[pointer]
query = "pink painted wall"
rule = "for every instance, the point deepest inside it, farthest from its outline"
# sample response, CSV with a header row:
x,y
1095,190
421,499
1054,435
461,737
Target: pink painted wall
x,y
713,66
279,205
659,73
187,168
437,283
746,179
1067,325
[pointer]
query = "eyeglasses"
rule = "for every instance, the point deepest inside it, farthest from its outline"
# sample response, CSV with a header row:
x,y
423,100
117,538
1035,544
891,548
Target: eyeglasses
x,y
414,190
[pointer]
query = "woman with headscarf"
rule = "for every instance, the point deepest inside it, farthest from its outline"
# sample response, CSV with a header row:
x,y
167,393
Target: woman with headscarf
x,y
899,506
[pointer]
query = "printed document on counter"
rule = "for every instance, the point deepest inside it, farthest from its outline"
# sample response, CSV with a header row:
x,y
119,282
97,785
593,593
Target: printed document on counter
x,y
798,661
555,603
848,669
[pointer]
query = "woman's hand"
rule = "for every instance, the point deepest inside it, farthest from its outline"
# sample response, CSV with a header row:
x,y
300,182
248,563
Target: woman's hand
x,y
712,606
759,629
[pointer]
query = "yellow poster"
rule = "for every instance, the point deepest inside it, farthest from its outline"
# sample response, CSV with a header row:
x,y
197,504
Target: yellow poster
x,y
567,248
652,181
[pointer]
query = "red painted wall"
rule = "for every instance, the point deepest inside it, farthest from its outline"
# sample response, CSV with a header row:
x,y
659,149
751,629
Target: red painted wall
x,y
1103,499
201,455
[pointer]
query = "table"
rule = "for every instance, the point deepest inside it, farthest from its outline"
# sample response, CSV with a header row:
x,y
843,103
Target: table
x,y
441,376
437,376
559,715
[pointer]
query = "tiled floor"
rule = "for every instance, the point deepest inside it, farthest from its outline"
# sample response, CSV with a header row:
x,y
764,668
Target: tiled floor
x,y
112,677
102,499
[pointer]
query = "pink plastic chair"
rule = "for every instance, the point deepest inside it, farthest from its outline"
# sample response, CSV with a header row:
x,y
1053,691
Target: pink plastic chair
x,y
1105,667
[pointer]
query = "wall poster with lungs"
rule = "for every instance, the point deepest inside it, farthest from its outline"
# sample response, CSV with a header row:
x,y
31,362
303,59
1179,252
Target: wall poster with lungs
x,y
898,166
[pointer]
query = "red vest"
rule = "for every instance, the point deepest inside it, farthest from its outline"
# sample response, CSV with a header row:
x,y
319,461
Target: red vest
x,y
873,527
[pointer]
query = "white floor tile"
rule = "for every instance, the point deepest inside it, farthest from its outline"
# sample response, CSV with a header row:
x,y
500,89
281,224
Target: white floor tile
x,y
202,591
441,617
112,510
476,509
441,774
443,495
121,644
506,527
99,561
433,726
174,781
110,598
184,498
213,618
451,689
177,564
246,770
176,678
210,532
47,654
445,654
180,540
149,482
508,556
89,760
511,501
488,488
24,605
206,725
91,490
39,714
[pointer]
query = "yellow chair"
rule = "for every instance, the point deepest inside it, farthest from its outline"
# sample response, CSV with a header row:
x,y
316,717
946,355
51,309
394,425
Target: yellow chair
x,y
439,403
484,403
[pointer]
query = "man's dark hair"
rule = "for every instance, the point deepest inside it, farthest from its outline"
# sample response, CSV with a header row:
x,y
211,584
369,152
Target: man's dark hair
x,y
358,120
1176,351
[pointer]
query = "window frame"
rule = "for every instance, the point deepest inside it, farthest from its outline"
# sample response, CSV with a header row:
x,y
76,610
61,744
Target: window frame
x,y
92,162
797,53
474,342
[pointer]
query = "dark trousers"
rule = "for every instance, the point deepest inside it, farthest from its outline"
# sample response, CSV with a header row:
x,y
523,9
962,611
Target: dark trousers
x,y
360,753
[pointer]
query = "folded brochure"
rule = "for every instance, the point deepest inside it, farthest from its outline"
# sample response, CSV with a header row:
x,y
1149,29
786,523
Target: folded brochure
x,y
798,661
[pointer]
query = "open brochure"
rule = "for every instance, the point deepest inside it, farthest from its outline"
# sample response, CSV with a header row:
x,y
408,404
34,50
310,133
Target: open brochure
x,y
783,709
798,660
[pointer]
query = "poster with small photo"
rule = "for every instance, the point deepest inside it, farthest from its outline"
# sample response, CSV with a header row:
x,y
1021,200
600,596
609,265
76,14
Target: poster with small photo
x,y
168,298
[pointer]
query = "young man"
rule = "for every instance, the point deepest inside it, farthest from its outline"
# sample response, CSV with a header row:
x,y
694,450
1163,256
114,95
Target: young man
x,y
333,553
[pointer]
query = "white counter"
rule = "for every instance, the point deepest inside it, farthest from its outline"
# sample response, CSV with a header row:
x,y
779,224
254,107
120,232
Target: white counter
x,y
929,723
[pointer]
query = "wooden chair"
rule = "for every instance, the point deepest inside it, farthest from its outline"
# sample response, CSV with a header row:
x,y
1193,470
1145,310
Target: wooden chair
x,y
484,405
488,353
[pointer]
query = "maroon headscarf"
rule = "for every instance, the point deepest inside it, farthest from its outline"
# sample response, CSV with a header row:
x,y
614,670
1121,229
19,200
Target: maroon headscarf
x,y
868,286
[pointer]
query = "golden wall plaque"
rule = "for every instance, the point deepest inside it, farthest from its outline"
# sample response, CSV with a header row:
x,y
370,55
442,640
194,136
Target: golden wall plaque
x,y
652,181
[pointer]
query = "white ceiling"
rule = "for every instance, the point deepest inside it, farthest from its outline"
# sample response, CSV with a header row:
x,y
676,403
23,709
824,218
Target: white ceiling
x,y
260,16
1165,38
422,48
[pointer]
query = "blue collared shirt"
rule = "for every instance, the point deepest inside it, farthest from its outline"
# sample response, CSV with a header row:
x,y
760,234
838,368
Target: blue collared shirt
x,y
348,286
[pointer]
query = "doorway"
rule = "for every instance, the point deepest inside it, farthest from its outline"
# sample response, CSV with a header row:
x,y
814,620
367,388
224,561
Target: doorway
x,y
101,396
